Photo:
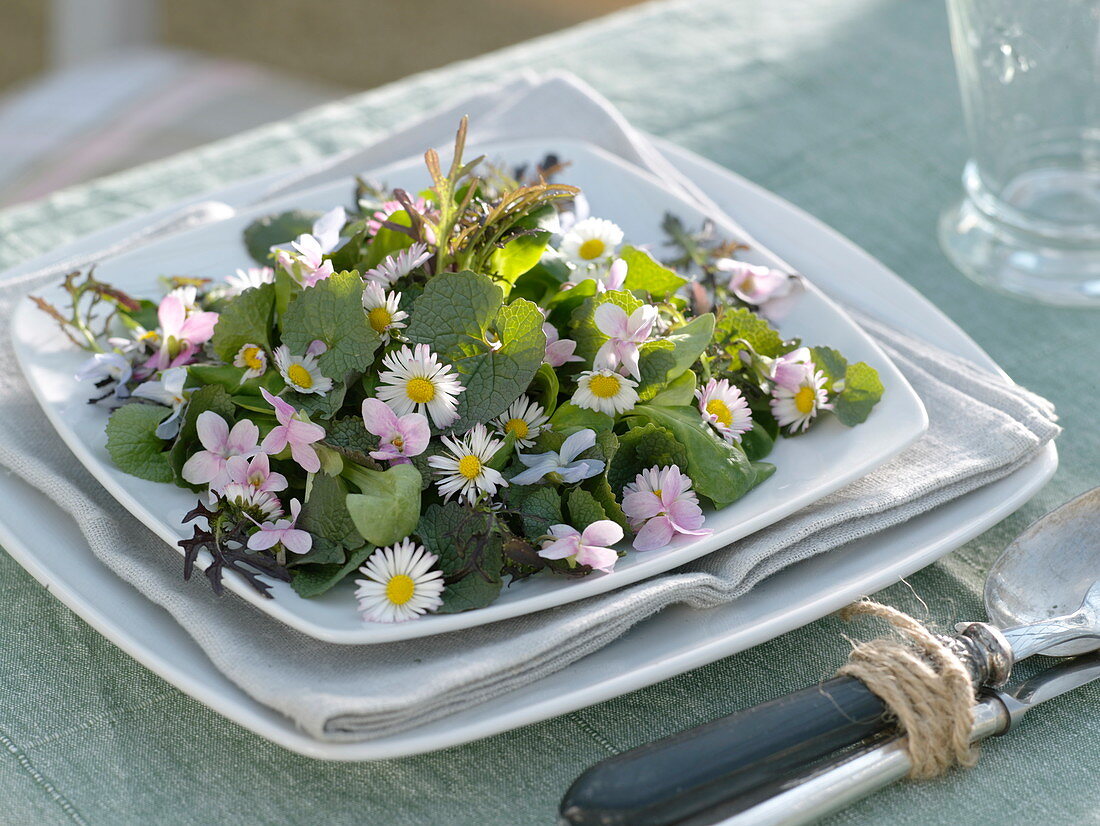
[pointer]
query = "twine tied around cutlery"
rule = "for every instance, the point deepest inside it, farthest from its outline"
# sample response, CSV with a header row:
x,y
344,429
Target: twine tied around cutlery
x,y
923,684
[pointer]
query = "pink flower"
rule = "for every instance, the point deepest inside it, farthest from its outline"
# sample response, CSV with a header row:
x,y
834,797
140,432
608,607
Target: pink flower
x,y
283,532
660,504
770,289
293,430
400,437
791,369
615,278
181,333
625,334
255,473
387,211
209,466
559,351
588,547
308,266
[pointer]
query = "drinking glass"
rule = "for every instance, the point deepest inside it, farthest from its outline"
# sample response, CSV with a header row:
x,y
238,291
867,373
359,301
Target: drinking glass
x,y
1029,73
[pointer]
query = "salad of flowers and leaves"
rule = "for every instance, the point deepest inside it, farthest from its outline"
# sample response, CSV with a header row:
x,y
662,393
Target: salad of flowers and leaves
x,y
439,394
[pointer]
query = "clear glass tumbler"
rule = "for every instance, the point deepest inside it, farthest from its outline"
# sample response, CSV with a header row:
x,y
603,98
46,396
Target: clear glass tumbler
x,y
1029,72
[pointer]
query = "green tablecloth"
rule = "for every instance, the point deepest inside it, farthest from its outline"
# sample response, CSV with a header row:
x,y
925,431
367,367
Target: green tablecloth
x,y
846,107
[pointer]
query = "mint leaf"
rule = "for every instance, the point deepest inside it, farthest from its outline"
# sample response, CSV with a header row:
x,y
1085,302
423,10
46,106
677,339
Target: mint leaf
x,y
134,445
583,508
538,506
332,312
455,316
246,319
325,512
644,273
744,324
447,531
601,491
641,448
348,435
721,472
266,232
314,580
862,391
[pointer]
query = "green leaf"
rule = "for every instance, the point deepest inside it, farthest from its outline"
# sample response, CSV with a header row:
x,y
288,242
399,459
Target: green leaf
x,y
332,311
134,444
211,397
314,580
862,391
447,531
387,507
471,592
583,509
544,388
830,362
569,418
322,552
387,242
763,470
689,342
455,315
246,319
539,507
264,233
680,391
644,273
348,435
601,491
583,322
317,406
518,256
641,448
758,442
721,472
656,361
742,323
325,512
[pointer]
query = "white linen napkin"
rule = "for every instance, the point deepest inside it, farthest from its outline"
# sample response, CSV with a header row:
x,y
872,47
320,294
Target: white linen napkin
x,y
981,429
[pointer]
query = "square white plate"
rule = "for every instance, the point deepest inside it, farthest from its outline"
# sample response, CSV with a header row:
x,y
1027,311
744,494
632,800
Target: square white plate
x,y
52,549
810,467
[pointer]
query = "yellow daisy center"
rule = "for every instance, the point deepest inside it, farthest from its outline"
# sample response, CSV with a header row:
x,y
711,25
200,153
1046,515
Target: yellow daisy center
x,y
397,442
720,410
517,426
251,358
804,400
592,248
469,466
299,376
604,387
400,589
380,319
420,390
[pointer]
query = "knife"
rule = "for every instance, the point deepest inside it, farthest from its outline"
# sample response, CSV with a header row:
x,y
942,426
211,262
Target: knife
x,y
849,778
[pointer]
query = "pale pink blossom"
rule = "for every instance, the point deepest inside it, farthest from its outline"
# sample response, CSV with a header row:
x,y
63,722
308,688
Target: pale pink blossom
x,y
293,430
589,547
625,333
307,265
388,209
559,351
791,369
208,466
255,473
614,278
661,504
769,289
282,532
399,436
181,332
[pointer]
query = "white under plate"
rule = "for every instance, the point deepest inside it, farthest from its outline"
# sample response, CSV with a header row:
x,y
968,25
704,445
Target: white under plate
x,y
808,468
51,548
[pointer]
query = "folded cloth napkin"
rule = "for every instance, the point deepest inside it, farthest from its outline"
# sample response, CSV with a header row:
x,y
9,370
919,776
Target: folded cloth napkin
x,y
981,429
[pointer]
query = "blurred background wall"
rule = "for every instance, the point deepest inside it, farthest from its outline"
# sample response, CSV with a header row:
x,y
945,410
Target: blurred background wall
x,y
88,87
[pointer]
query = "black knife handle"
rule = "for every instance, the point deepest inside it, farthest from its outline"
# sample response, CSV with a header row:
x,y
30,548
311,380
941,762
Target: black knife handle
x,y
671,779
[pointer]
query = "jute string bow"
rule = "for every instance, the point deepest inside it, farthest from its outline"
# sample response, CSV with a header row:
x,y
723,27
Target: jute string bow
x,y
923,684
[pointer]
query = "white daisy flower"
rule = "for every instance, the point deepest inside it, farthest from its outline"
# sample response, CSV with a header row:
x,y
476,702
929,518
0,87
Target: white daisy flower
x,y
382,310
248,279
415,381
253,358
465,470
724,408
261,505
798,399
590,241
401,583
301,373
399,265
605,391
526,418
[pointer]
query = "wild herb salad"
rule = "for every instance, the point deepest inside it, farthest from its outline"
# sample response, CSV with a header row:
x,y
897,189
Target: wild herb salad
x,y
438,394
